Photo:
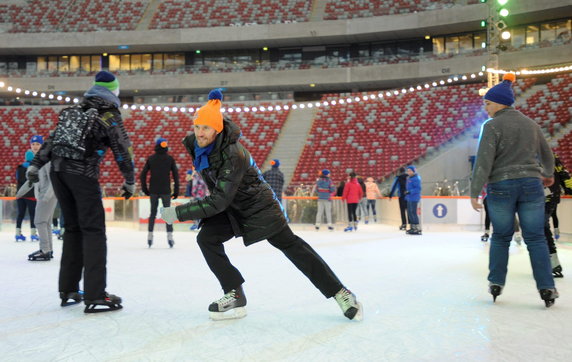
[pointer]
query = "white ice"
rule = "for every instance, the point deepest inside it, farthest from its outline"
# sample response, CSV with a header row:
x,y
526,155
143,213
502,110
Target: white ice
x,y
425,299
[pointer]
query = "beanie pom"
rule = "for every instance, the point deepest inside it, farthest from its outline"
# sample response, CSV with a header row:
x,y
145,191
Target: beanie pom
x,y
511,77
215,94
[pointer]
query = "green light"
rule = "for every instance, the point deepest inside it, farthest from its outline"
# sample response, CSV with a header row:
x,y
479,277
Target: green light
x,y
198,51
265,49
483,23
483,1
503,12
502,2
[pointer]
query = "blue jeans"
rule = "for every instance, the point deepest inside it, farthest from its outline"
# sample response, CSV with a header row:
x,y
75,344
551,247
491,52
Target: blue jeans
x,y
524,196
412,213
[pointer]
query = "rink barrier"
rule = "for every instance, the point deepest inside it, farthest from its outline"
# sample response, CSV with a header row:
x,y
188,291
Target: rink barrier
x,y
434,212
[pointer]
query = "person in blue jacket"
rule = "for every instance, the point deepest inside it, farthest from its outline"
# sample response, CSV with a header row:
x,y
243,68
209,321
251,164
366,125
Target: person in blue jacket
x,y
413,196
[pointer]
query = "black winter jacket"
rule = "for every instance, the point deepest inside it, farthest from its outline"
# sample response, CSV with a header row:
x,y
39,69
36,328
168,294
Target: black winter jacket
x,y
161,165
236,187
109,133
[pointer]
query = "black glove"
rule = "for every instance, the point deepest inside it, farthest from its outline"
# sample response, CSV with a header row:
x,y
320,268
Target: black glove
x,y
32,174
175,195
128,190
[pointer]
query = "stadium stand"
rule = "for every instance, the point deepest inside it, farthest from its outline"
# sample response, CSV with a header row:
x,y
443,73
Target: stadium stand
x,y
175,14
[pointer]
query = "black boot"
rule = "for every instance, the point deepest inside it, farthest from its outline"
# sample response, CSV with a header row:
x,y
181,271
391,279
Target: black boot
x,y
76,297
109,302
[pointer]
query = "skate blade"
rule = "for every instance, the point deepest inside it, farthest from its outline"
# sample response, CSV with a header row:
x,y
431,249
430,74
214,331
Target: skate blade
x,y
92,308
67,303
39,259
235,313
549,303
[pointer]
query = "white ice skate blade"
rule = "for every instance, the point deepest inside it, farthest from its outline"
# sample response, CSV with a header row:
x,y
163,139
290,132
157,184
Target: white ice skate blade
x,y
359,315
235,313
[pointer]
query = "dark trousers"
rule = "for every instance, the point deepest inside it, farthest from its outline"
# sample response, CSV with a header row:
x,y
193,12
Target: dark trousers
x,y
555,216
217,229
549,208
22,205
166,201
403,210
487,218
352,212
371,203
412,212
85,243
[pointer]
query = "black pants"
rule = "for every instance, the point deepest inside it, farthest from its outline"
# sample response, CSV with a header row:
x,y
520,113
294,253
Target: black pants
x,y
549,208
24,204
555,216
403,210
352,212
85,243
487,218
217,229
166,201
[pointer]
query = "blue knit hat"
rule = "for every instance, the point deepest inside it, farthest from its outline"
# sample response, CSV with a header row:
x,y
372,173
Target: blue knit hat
x,y
275,163
29,156
412,168
161,142
37,139
325,172
107,80
502,93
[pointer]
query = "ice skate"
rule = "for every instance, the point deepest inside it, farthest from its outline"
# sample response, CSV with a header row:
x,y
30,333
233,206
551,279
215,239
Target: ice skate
x,y
556,267
194,227
349,228
351,308
230,306
76,297
109,303
518,238
485,237
317,228
61,234
495,290
403,227
548,296
331,228
556,233
34,236
20,238
150,239
414,230
41,256
170,239
56,232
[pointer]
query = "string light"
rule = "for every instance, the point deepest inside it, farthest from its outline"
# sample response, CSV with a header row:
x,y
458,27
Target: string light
x,y
280,107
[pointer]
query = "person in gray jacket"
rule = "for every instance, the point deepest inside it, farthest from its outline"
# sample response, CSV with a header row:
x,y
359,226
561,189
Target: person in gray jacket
x,y
514,160
45,207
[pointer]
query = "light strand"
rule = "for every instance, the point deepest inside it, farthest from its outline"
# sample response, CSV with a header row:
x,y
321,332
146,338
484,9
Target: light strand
x,y
367,96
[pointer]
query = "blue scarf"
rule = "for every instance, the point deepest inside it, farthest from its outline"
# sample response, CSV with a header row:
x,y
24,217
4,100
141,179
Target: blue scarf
x,y
202,156
102,92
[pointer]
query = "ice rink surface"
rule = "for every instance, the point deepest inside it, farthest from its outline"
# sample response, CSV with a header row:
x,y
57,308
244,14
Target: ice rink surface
x,y
425,299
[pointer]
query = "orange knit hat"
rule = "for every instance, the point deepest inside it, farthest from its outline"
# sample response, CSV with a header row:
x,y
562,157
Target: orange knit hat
x,y
209,114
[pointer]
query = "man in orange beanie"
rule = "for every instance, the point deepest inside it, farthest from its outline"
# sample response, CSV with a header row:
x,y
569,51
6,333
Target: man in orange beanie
x,y
241,203
514,160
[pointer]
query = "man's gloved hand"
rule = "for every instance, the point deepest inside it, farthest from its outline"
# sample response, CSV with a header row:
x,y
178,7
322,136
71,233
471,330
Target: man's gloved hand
x,y
32,174
175,195
145,191
169,214
128,190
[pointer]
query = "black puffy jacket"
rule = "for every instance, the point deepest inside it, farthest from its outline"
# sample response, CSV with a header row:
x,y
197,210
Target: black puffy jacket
x,y
236,187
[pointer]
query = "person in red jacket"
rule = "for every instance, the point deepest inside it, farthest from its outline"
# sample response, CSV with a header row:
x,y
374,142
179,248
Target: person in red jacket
x,y
353,193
